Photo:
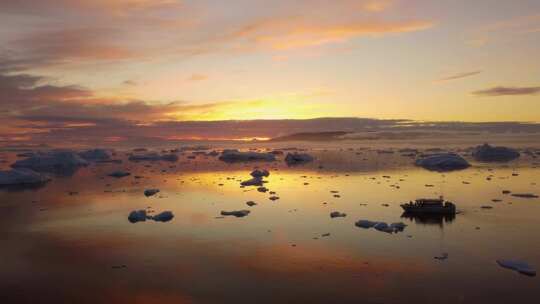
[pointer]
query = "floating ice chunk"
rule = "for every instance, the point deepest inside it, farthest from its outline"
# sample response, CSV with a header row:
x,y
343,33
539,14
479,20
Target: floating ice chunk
x,y
119,174
443,162
442,257
381,226
237,213
21,176
137,216
337,214
213,153
150,192
260,173
365,224
95,155
63,162
399,226
164,216
256,181
298,158
487,153
237,156
525,195
519,266
251,203
169,157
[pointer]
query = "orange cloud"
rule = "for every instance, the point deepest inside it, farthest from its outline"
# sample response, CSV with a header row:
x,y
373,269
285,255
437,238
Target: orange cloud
x,y
294,33
197,77
377,5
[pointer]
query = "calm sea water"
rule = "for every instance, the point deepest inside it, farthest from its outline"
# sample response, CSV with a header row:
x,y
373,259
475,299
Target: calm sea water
x,y
79,247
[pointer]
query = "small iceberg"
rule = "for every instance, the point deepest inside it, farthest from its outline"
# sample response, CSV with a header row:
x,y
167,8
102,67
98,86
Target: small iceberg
x,y
17,177
337,214
487,153
381,226
95,155
298,158
256,181
519,266
443,162
365,224
60,162
164,216
137,216
233,155
119,174
260,173
525,195
150,192
141,216
237,213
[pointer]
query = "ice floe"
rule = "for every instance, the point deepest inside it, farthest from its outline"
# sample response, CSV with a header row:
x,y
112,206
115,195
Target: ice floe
x,y
381,226
237,213
141,216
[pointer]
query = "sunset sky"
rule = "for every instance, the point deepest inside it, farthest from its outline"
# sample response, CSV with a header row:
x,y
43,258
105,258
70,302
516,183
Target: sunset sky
x,y
69,64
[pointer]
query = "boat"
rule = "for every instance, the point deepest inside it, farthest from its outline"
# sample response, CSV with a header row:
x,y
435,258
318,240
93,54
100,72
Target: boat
x,y
429,206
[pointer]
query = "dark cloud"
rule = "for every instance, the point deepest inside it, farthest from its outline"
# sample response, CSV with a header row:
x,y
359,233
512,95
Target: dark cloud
x,y
36,111
129,82
505,91
21,91
459,76
86,43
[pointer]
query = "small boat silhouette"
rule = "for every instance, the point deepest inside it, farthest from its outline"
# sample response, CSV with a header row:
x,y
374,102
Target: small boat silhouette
x,y
429,206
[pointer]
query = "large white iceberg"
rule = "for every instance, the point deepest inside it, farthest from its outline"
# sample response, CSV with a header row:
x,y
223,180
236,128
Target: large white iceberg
x,y
53,161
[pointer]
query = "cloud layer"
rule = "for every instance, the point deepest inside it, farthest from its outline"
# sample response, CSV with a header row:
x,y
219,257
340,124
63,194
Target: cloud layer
x,y
507,91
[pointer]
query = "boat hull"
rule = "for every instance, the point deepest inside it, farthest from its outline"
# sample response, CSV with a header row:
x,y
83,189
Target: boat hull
x,y
428,210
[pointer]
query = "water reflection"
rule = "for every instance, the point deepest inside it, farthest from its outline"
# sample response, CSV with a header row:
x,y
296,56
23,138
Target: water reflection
x,y
22,187
291,245
429,219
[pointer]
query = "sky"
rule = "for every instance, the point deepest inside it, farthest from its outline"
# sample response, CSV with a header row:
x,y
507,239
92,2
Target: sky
x,y
82,65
